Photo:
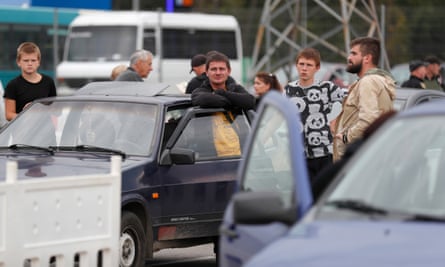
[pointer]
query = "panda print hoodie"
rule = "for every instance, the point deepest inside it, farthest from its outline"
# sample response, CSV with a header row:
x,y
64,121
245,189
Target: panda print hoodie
x,y
314,103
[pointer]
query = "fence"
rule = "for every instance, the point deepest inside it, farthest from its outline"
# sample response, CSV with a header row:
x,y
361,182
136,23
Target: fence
x,y
60,221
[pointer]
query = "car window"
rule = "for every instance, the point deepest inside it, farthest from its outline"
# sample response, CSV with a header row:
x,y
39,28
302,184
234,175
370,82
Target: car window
x,y
392,175
128,127
268,166
215,135
171,121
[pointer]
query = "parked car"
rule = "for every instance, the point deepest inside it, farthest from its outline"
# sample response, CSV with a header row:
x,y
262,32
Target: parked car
x,y
272,183
400,72
407,97
175,187
386,207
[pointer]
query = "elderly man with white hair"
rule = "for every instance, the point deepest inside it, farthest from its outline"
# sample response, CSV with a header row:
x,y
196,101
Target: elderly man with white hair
x,y
140,66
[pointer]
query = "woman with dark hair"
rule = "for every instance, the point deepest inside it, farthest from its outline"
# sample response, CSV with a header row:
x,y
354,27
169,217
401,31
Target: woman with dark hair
x,y
264,82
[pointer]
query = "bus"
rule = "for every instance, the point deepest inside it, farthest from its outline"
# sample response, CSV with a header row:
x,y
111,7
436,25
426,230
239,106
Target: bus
x,y
47,27
97,42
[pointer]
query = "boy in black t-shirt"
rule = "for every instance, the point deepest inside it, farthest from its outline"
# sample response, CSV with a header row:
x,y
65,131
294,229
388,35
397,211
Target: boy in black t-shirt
x,y
29,85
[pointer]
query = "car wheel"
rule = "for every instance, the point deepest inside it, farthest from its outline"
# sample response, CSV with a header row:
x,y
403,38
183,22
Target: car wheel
x,y
132,241
216,249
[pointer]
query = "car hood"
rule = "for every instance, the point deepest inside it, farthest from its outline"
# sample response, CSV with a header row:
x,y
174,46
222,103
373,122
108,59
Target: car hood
x,y
357,244
32,166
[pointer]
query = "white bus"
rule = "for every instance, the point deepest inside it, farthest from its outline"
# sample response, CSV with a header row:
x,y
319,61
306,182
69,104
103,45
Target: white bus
x,y
98,41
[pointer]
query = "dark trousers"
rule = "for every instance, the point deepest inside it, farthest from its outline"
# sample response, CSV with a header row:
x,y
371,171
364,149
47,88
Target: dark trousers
x,y
315,165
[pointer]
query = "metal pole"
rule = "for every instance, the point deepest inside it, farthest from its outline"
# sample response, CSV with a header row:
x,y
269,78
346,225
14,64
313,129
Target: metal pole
x,y
268,39
304,23
135,4
383,63
55,40
158,37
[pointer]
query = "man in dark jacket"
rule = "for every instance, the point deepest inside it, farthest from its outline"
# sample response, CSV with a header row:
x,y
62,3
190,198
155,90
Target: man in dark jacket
x,y
198,64
417,69
217,91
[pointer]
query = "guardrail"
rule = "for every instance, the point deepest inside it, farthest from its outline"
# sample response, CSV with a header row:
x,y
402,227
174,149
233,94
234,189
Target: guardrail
x,y
60,221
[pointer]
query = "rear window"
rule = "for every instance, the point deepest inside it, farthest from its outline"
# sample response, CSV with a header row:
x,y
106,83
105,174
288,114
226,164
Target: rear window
x,y
197,41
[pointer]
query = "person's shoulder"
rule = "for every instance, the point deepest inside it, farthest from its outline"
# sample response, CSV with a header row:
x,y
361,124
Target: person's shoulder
x,y
326,83
405,83
235,87
128,75
295,83
47,78
203,76
14,81
199,78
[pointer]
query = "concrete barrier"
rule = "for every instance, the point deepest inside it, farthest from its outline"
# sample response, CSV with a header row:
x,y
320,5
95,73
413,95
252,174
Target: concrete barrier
x,y
60,221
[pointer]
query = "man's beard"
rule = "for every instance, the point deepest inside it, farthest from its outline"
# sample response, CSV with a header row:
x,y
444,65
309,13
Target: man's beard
x,y
354,68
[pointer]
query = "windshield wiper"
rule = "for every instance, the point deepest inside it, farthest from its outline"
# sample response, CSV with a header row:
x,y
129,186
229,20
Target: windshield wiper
x,y
89,148
356,205
21,147
425,218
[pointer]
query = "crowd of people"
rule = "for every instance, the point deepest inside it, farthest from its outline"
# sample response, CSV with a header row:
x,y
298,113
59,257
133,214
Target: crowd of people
x,y
326,142
425,74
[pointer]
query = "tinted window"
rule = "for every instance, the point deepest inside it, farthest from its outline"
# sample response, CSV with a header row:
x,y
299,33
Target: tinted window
x,y
149,41
12,35
268,166
401,168
104,43
129,127
178,43
215,135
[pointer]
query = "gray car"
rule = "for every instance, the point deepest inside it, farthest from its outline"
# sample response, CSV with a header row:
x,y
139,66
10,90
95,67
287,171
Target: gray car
x,y
408,97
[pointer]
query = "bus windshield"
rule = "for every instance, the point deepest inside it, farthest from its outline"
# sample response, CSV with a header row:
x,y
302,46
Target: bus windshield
x,y
101,43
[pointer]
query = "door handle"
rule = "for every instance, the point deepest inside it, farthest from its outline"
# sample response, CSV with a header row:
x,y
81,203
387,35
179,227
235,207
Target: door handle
x,y
230,232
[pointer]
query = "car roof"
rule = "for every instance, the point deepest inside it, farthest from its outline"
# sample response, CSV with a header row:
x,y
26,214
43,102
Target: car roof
x,y
115,88
130,91
436,107
403,93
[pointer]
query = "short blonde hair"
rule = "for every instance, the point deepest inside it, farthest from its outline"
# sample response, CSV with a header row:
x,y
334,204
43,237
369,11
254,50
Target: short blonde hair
x,y
28,48
117,70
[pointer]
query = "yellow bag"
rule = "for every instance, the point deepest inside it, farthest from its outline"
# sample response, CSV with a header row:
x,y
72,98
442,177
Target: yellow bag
x,y
225,138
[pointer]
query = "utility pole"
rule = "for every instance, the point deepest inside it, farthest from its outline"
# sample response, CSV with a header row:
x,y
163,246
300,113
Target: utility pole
x,y
135,4
284,27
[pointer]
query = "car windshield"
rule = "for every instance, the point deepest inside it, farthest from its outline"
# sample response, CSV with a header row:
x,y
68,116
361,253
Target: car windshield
x,y
101,43
126,127
401,169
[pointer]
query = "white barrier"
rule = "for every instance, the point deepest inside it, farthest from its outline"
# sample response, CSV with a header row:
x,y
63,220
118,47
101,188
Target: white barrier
x,y
62,221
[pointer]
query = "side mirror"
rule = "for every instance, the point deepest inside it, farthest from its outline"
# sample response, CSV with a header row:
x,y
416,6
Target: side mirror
x,y
262,208
177,156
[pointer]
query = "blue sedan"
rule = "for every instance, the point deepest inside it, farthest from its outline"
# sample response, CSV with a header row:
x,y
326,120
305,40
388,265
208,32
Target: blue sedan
x,y
386,207
175,181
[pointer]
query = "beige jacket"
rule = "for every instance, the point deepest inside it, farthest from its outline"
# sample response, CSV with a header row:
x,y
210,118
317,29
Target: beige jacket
x,y
368,98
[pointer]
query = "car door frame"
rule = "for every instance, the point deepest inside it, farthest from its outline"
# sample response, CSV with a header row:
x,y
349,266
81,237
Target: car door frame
x,y
239,242
198,181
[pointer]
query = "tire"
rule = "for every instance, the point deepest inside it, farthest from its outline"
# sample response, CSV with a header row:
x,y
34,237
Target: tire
x,y
216,249
132,241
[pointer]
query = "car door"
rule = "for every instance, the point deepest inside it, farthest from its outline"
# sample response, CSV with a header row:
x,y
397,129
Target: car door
x,y
273,189
197,186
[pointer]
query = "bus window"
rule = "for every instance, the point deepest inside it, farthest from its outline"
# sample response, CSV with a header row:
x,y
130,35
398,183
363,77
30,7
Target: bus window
x,y
103,43
197,41
149,40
